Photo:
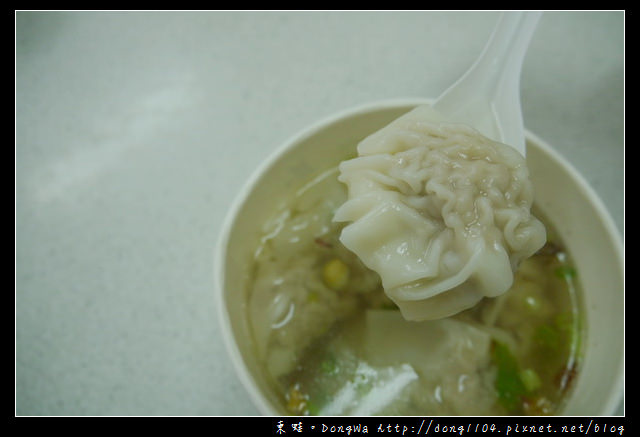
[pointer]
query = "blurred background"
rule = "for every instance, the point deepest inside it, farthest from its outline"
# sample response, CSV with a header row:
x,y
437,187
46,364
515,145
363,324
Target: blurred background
x,y
136,130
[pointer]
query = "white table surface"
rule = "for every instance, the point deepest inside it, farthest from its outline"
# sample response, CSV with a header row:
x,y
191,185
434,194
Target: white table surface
x,y
134,132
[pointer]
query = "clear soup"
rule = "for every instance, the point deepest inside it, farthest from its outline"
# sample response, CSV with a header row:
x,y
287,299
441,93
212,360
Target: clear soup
x,y
332,343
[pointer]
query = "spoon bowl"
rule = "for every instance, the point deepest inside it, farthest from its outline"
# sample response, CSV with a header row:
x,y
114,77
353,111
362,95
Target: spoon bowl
x,y
487,96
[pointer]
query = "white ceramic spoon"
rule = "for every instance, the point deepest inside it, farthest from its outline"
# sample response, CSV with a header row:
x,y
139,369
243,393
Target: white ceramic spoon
x,y
487,96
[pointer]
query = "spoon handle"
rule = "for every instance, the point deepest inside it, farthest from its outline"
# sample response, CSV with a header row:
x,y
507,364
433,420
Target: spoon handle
x,y
487,96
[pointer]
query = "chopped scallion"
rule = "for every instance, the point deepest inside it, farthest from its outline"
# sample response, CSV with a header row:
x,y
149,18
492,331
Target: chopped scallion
x,y
565,272
530,380
509,385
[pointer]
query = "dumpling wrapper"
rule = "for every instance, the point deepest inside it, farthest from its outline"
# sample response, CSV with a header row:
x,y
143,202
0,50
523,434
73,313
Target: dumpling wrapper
x,y
451,358
440,212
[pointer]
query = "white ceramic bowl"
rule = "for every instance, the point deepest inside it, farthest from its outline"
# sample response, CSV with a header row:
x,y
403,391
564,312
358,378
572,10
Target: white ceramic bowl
x,y
562,195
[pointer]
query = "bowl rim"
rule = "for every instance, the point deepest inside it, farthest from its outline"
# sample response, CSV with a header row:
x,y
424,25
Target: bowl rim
x,y
220,249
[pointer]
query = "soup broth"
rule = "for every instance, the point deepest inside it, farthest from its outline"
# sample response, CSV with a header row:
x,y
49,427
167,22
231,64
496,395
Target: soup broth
x,y
332,343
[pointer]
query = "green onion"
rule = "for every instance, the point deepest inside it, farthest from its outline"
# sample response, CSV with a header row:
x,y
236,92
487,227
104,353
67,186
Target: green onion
x,y
530,380
509,385
565,272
